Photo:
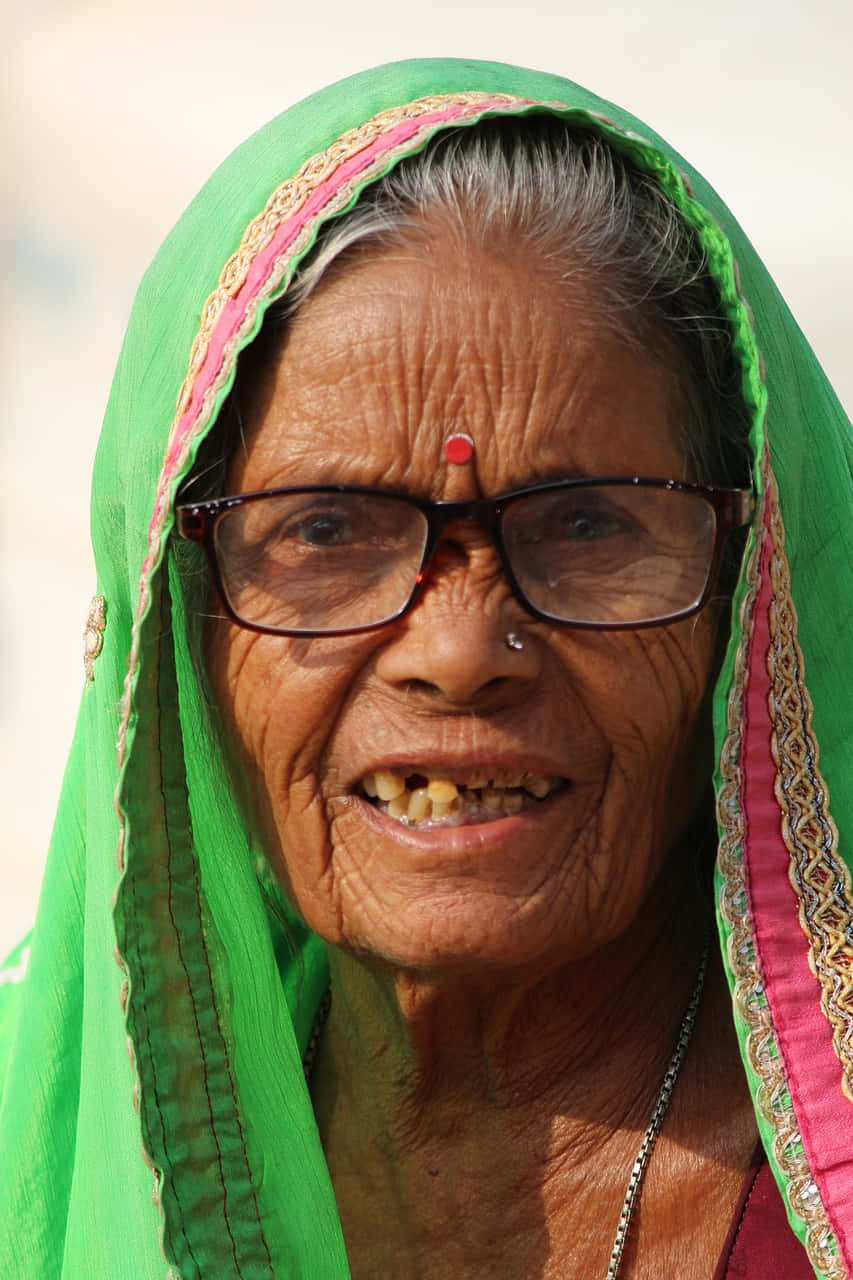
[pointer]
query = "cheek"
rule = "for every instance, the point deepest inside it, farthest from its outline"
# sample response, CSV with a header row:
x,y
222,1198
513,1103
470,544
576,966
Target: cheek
x,y
279,706
646,691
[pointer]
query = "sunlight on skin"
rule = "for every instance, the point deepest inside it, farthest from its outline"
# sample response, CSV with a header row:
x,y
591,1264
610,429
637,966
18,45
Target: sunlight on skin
x,y
378,367
471,964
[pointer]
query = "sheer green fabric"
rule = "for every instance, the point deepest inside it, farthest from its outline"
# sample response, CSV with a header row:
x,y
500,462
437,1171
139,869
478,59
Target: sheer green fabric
x,y
154,1115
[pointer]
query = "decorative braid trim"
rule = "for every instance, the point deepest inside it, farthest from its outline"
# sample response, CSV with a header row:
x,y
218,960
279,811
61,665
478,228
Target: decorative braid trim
x,y
257,271
288,199
819,876
772,1096
287,204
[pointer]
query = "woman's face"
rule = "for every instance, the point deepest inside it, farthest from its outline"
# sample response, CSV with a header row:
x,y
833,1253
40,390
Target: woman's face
x,y
389,358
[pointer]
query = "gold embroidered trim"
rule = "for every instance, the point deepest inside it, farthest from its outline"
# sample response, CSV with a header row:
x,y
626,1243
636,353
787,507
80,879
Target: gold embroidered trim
x,y
819,876
93,635
772,1097
284,202
817,918
287,199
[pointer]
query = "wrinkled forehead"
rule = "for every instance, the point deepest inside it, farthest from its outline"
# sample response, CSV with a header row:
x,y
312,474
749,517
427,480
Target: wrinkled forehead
x,y
326,186
380,367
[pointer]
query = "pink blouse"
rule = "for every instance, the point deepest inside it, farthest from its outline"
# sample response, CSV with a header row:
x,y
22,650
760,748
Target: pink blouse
x,y
760,1243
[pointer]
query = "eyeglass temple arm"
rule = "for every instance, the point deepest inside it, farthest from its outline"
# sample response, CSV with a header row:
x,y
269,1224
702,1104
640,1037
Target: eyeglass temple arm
x,y
192,523
741,508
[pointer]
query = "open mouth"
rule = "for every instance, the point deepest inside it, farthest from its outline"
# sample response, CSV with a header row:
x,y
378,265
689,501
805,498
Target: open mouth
x,y
430,798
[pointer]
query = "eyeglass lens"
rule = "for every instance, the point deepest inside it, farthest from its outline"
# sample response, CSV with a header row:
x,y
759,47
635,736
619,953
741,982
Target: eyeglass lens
x,y
611,553
334,561
320,561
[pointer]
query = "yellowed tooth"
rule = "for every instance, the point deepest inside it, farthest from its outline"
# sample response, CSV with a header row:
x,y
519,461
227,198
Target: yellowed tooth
x,y
506,778
492,800
419,805
440,810
477,780
537,785
388,785
442,791
512,801
398,807
369,785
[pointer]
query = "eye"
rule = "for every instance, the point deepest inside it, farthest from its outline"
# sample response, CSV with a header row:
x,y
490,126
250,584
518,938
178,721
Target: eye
x,y
584,517
321,529
588,525
297,527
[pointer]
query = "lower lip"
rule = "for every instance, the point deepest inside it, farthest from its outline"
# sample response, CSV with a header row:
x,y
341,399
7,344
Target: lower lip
x,y
465,835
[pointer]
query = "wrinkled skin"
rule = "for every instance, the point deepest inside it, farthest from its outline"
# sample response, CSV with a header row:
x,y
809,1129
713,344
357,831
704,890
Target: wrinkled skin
x,y
505,996
385,361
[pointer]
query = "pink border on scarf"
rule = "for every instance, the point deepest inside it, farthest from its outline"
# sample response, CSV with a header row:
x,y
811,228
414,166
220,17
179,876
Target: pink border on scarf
x,y
803,1035
259,271
235,309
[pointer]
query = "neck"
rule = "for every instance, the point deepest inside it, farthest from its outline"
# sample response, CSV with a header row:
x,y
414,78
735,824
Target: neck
x,y
514,1033
538,1086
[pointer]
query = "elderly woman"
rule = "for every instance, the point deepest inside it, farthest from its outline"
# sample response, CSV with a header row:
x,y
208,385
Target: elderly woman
x,y
438,438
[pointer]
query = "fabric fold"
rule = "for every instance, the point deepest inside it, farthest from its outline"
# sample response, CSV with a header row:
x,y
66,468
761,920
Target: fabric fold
x,y
196,1153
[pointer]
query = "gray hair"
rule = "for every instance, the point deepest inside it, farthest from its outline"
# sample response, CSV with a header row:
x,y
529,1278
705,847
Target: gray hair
x,y
566,195
589,214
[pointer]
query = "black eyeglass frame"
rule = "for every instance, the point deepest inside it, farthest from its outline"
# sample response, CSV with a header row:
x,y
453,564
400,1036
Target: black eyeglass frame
x,y
733,508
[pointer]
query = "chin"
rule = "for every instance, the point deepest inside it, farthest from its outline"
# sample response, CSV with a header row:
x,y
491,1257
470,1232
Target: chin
x,y
479,934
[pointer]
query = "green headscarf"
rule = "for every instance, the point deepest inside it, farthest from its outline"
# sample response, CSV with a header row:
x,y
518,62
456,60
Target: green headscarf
x,y
154,1105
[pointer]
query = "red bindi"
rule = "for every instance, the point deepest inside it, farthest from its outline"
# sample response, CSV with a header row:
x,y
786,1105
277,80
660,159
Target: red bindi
x,y
459,448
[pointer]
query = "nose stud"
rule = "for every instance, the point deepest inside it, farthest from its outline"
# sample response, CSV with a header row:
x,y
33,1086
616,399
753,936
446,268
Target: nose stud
x,y
512,641
459,448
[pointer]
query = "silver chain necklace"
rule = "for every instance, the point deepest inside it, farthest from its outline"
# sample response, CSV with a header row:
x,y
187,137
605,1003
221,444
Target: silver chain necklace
x,y
650,1137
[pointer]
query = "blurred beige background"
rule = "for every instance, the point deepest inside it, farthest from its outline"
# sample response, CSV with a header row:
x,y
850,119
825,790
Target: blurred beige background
x,y
113,114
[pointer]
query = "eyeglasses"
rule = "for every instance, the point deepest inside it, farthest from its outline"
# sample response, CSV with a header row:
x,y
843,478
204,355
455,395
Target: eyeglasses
x,y
604,553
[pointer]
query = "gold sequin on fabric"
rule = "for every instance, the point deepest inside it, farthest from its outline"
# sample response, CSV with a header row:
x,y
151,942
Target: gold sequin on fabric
x,y
93,635
283,204
812,858
772,1097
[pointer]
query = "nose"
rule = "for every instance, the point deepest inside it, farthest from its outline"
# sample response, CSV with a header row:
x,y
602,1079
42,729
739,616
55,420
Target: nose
x,y
454,642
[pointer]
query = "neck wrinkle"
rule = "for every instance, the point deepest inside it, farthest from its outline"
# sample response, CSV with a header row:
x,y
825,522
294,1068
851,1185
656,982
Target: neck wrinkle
x,y
586,1043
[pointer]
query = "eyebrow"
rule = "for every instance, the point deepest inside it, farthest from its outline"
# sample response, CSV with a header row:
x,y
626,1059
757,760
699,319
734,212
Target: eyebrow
x,y
552,475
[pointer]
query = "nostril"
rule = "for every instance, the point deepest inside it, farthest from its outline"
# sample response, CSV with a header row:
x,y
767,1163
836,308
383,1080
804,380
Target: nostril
x,y
420,688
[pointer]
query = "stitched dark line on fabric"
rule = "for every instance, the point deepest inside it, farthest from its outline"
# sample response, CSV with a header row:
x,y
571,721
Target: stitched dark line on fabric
x,y
174,1180
239,1123
165,624
143,1009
